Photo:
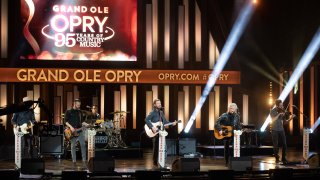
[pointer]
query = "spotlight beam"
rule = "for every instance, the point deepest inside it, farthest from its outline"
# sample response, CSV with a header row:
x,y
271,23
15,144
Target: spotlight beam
x,y
300,68
316,124
228,48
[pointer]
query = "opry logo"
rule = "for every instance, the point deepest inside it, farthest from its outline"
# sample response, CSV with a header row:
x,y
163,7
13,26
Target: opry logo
x,y
69,28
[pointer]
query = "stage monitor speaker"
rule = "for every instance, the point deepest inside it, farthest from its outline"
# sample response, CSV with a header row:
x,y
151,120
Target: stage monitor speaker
x,y
171,147
32,166
51,144
240,163
103,164
313,160
79,175
281,173
186,164
148,174
10,174
225,174
187,146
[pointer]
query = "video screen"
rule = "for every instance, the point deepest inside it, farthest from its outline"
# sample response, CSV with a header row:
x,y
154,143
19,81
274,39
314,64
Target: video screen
x,y
92,30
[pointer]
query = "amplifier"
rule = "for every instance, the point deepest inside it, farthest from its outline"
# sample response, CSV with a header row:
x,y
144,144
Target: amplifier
x,y
240,163
51,144
187,146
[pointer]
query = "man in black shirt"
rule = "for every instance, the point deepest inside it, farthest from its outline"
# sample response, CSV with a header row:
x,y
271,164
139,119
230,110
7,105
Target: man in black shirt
x,y
25,117
279,116
230,118
74,120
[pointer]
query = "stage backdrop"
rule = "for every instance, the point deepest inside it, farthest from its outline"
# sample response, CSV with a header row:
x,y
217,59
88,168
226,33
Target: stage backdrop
x,y
104,30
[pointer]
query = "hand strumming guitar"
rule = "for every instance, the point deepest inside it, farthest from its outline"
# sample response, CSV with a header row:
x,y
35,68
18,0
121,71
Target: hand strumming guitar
x,y
154,129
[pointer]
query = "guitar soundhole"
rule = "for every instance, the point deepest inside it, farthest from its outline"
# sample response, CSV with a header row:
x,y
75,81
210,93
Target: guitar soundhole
x,y
225,132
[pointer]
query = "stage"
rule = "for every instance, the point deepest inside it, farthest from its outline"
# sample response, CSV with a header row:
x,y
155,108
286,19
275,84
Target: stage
x,y
251,150
262,166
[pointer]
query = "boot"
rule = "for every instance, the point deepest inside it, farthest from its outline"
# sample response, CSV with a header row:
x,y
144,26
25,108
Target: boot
x,y
74,165
84,165
284,160
277,158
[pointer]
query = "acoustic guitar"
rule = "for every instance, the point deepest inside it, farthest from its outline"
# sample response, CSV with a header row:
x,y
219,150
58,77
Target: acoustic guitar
x,y
227,132
149,131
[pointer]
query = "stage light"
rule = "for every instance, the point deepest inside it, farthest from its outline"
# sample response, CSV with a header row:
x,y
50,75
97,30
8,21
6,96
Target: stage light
x,y
302,65
270,101
228,48
255,1
316,124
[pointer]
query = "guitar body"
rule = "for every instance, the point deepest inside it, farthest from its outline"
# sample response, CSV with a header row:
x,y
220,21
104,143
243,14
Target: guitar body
x,y
68,134
24,128
226,132
149,131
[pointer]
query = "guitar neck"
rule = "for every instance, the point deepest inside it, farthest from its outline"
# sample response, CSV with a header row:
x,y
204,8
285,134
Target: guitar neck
x,y
168,124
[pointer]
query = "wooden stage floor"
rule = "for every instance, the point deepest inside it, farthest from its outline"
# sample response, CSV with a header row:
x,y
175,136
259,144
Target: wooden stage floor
x,y
55,166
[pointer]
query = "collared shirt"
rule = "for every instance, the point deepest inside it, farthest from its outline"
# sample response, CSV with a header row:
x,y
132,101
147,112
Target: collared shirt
x,y
155,116
276,124
228,119
73,117
23,117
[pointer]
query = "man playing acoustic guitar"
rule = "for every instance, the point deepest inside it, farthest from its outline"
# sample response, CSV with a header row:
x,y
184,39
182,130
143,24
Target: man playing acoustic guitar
x,y
156,115
74,120
230,119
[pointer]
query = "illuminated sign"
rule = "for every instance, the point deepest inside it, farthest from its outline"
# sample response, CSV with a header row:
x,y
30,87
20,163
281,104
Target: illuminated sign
x,y
115,76
80,29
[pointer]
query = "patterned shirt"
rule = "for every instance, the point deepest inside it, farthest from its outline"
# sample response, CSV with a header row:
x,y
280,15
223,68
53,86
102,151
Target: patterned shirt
x,y
23,117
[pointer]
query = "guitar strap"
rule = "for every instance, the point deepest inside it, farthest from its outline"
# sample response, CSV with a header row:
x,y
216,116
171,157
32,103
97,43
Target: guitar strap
x,y
160,120
162,145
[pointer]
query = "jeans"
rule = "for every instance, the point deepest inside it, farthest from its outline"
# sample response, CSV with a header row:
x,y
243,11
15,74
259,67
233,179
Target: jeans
x,y
155,142
27,146
275,141
227,152
82,142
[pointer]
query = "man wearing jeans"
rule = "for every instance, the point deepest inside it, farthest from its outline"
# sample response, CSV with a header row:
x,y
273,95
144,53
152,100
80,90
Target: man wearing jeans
x,y
278,115
74,120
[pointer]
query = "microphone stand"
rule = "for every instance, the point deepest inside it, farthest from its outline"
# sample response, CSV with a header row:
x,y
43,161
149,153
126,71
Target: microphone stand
x,y
305,127
306,118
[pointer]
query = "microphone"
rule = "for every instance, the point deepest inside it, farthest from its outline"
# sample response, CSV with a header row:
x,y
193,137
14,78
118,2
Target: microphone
x,y
89,107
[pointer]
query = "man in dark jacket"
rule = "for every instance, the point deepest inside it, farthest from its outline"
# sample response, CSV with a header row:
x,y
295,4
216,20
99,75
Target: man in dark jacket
x,y
156,115
230,118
